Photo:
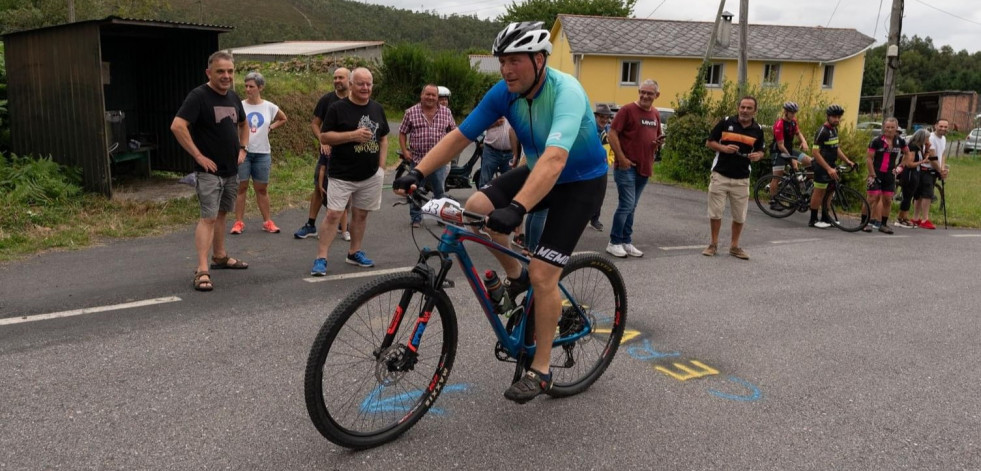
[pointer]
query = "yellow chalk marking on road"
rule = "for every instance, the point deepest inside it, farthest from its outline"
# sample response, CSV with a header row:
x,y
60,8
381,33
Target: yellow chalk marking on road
x,y
688,373
628,335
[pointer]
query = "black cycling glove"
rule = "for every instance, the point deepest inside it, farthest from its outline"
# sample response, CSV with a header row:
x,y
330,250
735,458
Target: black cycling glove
x,y
504,220
405,182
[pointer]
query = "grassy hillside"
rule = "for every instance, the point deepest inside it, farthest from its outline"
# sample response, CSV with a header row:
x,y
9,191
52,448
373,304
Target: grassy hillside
x,y
259,22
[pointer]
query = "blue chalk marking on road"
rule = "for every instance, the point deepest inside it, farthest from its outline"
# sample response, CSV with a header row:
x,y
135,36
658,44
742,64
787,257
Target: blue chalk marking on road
x,y
647,352
402,402
754,395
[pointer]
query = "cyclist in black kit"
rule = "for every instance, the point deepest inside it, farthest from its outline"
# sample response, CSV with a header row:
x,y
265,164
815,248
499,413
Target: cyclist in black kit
x,y
826,153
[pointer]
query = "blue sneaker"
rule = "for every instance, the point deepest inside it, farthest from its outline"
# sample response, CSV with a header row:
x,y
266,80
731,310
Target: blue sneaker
x,y
319,267
360,259
306,231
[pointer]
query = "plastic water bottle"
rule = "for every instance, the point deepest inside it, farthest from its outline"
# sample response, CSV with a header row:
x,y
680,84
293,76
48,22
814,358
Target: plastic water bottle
x,y
495,289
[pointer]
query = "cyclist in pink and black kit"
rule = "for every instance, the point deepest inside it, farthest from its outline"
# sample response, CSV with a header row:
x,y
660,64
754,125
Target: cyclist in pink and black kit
x,y
884,156
785,130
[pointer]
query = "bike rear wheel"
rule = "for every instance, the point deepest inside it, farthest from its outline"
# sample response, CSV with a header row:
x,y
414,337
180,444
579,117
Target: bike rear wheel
x,y
595,285
780,205
848,209
360,395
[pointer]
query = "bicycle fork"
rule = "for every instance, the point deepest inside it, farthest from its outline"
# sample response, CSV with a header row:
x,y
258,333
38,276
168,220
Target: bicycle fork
x,y
403,358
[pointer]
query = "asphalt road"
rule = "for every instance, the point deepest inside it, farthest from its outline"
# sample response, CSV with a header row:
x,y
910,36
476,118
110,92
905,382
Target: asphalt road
x,y
826,350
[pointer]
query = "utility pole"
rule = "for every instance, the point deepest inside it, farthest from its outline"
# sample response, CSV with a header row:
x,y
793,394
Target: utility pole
x,y
71,11
715,32
743,32
892,60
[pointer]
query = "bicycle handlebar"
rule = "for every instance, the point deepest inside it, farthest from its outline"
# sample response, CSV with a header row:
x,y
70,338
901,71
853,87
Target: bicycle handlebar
x,y
444,209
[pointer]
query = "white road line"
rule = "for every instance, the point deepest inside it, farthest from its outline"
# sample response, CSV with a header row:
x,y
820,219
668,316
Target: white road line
x,y
684,247
965,235
88,310
793,241
346,276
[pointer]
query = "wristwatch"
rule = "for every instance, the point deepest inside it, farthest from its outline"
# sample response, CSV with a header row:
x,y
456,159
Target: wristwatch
x,y
242,147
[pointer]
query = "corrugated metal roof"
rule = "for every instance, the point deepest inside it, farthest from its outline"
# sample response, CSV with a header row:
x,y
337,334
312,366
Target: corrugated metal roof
x,y
485,63
115,20
662,38
305,48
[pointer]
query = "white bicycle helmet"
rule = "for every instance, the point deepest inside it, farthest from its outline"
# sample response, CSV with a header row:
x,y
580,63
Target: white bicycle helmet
x,y
443,91
526,36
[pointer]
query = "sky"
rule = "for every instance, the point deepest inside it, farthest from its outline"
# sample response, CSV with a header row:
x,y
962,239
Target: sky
x,y
956,23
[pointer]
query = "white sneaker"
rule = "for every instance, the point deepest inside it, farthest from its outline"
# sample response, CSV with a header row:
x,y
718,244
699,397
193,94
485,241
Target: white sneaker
x,y
632,251
347,236
616,250
821,225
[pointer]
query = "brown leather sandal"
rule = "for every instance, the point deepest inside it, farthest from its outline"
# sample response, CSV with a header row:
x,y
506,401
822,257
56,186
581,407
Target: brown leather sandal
x,y
222,263
203,285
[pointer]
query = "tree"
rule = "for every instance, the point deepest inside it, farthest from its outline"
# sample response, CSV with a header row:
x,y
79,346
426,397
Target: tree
x,y
548,10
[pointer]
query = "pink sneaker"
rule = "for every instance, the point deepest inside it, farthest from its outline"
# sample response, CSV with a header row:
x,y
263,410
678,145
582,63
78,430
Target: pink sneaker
x,y
270,226
237,227
926,224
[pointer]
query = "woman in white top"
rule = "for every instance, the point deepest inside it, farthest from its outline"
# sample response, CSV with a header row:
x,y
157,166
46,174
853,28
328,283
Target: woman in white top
x,y
262,117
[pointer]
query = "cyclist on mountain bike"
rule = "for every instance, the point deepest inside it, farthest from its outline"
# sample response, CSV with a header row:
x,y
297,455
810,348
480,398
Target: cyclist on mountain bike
x,y
784,132
826,153
566,173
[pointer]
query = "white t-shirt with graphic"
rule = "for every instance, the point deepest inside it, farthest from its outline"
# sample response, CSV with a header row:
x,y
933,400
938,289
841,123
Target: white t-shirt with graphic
x,y
258,118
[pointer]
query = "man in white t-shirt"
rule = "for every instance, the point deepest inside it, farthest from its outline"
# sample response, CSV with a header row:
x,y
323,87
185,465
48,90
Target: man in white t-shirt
x,y
932,167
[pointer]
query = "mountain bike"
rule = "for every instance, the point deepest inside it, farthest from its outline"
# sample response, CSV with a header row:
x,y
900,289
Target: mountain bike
x,y
385,353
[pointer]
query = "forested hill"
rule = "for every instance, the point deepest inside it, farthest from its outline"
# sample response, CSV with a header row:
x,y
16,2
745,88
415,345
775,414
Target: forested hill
x,y
281,20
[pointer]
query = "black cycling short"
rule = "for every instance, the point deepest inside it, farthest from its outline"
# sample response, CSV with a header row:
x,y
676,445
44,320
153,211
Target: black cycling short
x,y
884,182
820,174
925,190
570,206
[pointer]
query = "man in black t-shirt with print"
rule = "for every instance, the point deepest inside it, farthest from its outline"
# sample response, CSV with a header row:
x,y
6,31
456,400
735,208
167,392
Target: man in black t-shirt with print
x,y
211,127
737,141
357,131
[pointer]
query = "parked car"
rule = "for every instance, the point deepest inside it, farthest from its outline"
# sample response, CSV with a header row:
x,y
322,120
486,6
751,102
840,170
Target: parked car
x,y
972,143
875,128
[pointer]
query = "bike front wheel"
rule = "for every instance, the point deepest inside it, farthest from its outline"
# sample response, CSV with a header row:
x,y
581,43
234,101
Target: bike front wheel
x,y
781,203
849,210
361,393
595,290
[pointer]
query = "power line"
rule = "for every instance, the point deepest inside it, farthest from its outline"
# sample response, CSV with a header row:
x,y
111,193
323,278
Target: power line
x,y
948,13
655,8
833,14
877,15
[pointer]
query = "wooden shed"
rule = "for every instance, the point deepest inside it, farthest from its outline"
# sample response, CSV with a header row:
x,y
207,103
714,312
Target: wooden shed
x,y
94,93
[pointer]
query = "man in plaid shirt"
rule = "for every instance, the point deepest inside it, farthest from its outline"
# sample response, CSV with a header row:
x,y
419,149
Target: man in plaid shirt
x,y
423,125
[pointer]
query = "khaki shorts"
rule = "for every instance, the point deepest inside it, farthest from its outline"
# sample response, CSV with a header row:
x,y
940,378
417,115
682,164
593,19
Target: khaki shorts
x,y
365,194
736,190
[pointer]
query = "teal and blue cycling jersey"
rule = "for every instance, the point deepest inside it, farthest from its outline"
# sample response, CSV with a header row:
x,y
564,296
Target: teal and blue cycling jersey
x,y
559,115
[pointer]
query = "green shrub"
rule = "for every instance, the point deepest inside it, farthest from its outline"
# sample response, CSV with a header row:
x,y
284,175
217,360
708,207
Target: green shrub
x,y
407,68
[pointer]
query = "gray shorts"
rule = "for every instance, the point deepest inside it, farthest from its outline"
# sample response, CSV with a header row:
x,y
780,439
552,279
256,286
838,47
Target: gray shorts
x,y
216,194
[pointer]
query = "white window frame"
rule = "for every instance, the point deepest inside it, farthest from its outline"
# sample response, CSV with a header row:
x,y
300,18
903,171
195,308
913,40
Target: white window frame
x,y
826,81
720,80
635,66
771,69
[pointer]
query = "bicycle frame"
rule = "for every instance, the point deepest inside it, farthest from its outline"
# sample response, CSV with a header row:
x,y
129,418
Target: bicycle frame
x,y
451,243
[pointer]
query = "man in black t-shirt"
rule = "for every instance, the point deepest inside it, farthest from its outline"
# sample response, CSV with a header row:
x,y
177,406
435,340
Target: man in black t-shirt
x,y
357,131
211,127
342,87
737,141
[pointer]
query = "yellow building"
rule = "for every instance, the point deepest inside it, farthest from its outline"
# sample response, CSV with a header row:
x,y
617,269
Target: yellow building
x,y
611,56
